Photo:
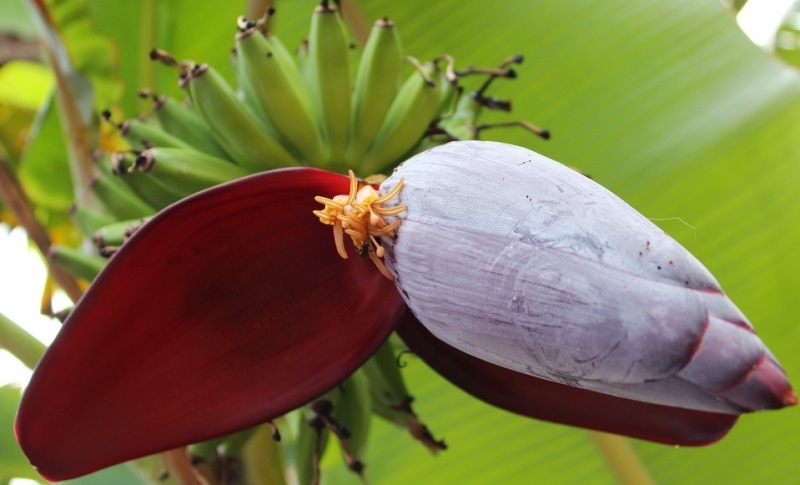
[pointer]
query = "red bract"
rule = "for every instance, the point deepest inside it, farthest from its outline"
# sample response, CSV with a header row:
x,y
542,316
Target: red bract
x,y
227,309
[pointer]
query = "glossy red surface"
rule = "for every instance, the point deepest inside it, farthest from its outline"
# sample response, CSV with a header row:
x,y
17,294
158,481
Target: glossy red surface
x,y
229,308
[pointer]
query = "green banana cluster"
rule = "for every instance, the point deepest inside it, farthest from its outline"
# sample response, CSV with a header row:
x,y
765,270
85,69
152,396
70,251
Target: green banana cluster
x,y
326,105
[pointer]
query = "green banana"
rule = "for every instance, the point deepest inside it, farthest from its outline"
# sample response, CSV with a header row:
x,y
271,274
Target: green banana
x,y
328,78
116,233
245,88
263,455
119,199
205,450
143,133
147,188
353,413
89,219
376,85
410,114
232,445
185,123
270,76
186,171
387,388
309,443
390,398
245,139
448,87
462,123
76,262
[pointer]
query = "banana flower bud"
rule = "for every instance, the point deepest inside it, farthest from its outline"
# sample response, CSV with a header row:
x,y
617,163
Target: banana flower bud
x,y
526,264
539,292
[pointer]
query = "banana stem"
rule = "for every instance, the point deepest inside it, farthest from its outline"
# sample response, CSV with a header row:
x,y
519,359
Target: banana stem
x,y
75,98
20,343
263,460
624,462
14,197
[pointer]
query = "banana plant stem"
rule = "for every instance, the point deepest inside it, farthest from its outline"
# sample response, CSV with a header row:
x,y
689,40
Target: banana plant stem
x,y
624,462
20,343
74,94
14,197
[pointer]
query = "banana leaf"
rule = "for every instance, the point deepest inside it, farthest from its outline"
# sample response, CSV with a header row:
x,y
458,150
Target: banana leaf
x,y
667,104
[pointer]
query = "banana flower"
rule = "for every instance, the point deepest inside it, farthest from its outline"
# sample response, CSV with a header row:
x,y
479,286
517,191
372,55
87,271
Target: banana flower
x,y
517,278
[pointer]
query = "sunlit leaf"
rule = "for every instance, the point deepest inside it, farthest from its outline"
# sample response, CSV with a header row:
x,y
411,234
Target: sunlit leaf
x,y
43,170
12,462
14,19
202,31
671,107
665,103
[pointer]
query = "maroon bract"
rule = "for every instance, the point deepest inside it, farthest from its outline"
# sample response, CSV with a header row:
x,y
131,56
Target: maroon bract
x,y
559,403
227,309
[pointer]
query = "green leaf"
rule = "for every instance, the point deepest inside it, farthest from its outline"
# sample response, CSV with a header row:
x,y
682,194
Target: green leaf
x,y
43,169
665,103
14,19
118,475
202,31
89,50
13,463
24,86
672,108
20,343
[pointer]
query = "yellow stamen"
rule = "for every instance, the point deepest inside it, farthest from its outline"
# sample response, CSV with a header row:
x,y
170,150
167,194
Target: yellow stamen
x,y
360,215
338,238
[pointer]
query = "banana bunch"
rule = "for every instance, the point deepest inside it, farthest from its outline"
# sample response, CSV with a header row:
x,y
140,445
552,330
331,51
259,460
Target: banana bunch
x,y
287,110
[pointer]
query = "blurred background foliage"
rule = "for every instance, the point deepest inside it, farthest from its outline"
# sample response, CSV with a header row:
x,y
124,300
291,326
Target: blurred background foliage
x,y
668,104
